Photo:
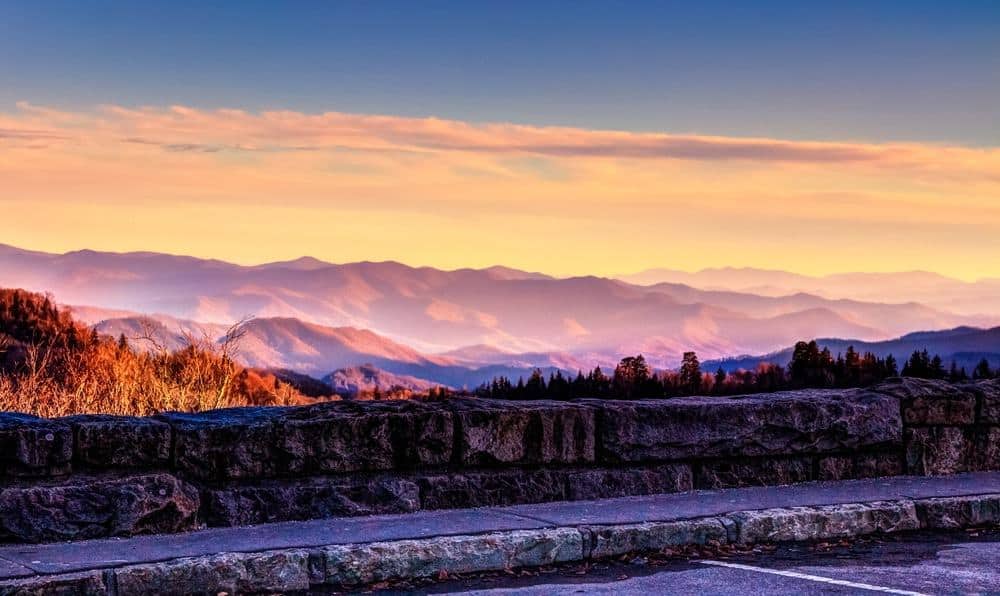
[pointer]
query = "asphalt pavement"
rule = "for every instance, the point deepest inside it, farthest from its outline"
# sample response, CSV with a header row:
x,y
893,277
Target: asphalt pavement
x,y
918,563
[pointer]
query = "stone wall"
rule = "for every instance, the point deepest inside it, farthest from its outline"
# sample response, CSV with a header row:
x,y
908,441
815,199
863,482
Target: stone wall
x,y
90,476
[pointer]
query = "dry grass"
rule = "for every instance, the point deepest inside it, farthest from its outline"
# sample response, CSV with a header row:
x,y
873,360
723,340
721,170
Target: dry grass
x,y
57,374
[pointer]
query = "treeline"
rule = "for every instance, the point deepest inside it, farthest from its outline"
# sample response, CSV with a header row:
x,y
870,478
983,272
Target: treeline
x,y
810,367
50,365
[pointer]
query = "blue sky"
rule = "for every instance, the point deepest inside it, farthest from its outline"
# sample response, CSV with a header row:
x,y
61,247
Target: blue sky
x,y
875,71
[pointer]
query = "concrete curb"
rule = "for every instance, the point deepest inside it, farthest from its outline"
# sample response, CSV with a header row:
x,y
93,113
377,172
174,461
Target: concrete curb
x,y
295,570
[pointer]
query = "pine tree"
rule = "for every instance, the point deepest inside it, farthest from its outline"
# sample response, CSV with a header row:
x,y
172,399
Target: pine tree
x,y
690,373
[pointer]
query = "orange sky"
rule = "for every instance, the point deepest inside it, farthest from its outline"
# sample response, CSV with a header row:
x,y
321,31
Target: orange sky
x,y
254,187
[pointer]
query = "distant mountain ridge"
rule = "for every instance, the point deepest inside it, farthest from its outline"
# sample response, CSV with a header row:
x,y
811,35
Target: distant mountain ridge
x,y
965,345
932,289
283,344
559,322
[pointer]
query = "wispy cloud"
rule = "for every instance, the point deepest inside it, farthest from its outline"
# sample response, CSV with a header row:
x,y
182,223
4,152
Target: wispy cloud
x,y
452,193
179,128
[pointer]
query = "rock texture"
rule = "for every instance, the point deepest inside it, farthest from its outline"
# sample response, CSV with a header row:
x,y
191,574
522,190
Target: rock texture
x,y
32,446
286,500
120,441
939,450
824,523
953,513
791,423
620,482
225,444
755,472
90,476
930,402
230,573
127,506
351,565
351,436
88,583
494,432
611,541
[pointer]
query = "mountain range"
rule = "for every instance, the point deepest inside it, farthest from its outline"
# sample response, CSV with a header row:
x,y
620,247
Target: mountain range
x,y
461,327
965,346
934,290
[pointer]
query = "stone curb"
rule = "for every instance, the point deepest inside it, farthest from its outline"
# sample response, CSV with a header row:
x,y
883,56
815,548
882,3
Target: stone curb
x,y
295,570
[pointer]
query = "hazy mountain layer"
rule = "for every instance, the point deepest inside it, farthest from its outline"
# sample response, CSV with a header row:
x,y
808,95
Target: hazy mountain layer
x,y
934,290
411,312
966,346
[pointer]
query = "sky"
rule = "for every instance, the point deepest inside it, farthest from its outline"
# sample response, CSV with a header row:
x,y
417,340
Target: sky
x,y
566,137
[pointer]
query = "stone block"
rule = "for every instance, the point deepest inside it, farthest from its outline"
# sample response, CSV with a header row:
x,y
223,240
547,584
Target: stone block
x,y
85,583
357,564
988,392
933,451
987,455
352,436
931,402
751,472
878,465
955,513
226,444
310,498
490,488
796,524
606,483
34,447
120,442
232,573
496,432
835,467
611,541
94,508
788,423
865,465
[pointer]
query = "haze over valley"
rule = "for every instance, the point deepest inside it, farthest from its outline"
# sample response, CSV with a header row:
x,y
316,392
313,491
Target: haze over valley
x,y
460,328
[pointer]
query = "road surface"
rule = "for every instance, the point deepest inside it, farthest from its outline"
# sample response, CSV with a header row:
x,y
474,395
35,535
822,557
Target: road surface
x,y
923,563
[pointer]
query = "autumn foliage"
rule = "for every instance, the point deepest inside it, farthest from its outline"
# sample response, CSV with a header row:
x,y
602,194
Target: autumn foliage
x,y
51,365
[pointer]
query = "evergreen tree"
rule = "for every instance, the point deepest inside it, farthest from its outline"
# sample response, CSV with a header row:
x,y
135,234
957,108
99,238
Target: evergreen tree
x,y
690,374
720,381
983,370
631,375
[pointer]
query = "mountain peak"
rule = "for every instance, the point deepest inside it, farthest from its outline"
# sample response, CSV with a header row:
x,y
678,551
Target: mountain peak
x,y
303,263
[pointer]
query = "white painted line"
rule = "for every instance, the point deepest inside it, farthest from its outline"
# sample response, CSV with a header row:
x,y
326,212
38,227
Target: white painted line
x,y
814,578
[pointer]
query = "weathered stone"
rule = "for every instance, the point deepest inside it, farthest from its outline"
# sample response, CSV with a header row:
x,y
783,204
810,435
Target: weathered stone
x,y
865,465
311,498
350,436
233,573
793,524
939,450
351,565
836,467
491,488
609,482
331,437
120,441
150,504
87,583
932,402
788,423
495,432
959,512
987,455
878,465
32,446
753,472
225,444
989,396
611,541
